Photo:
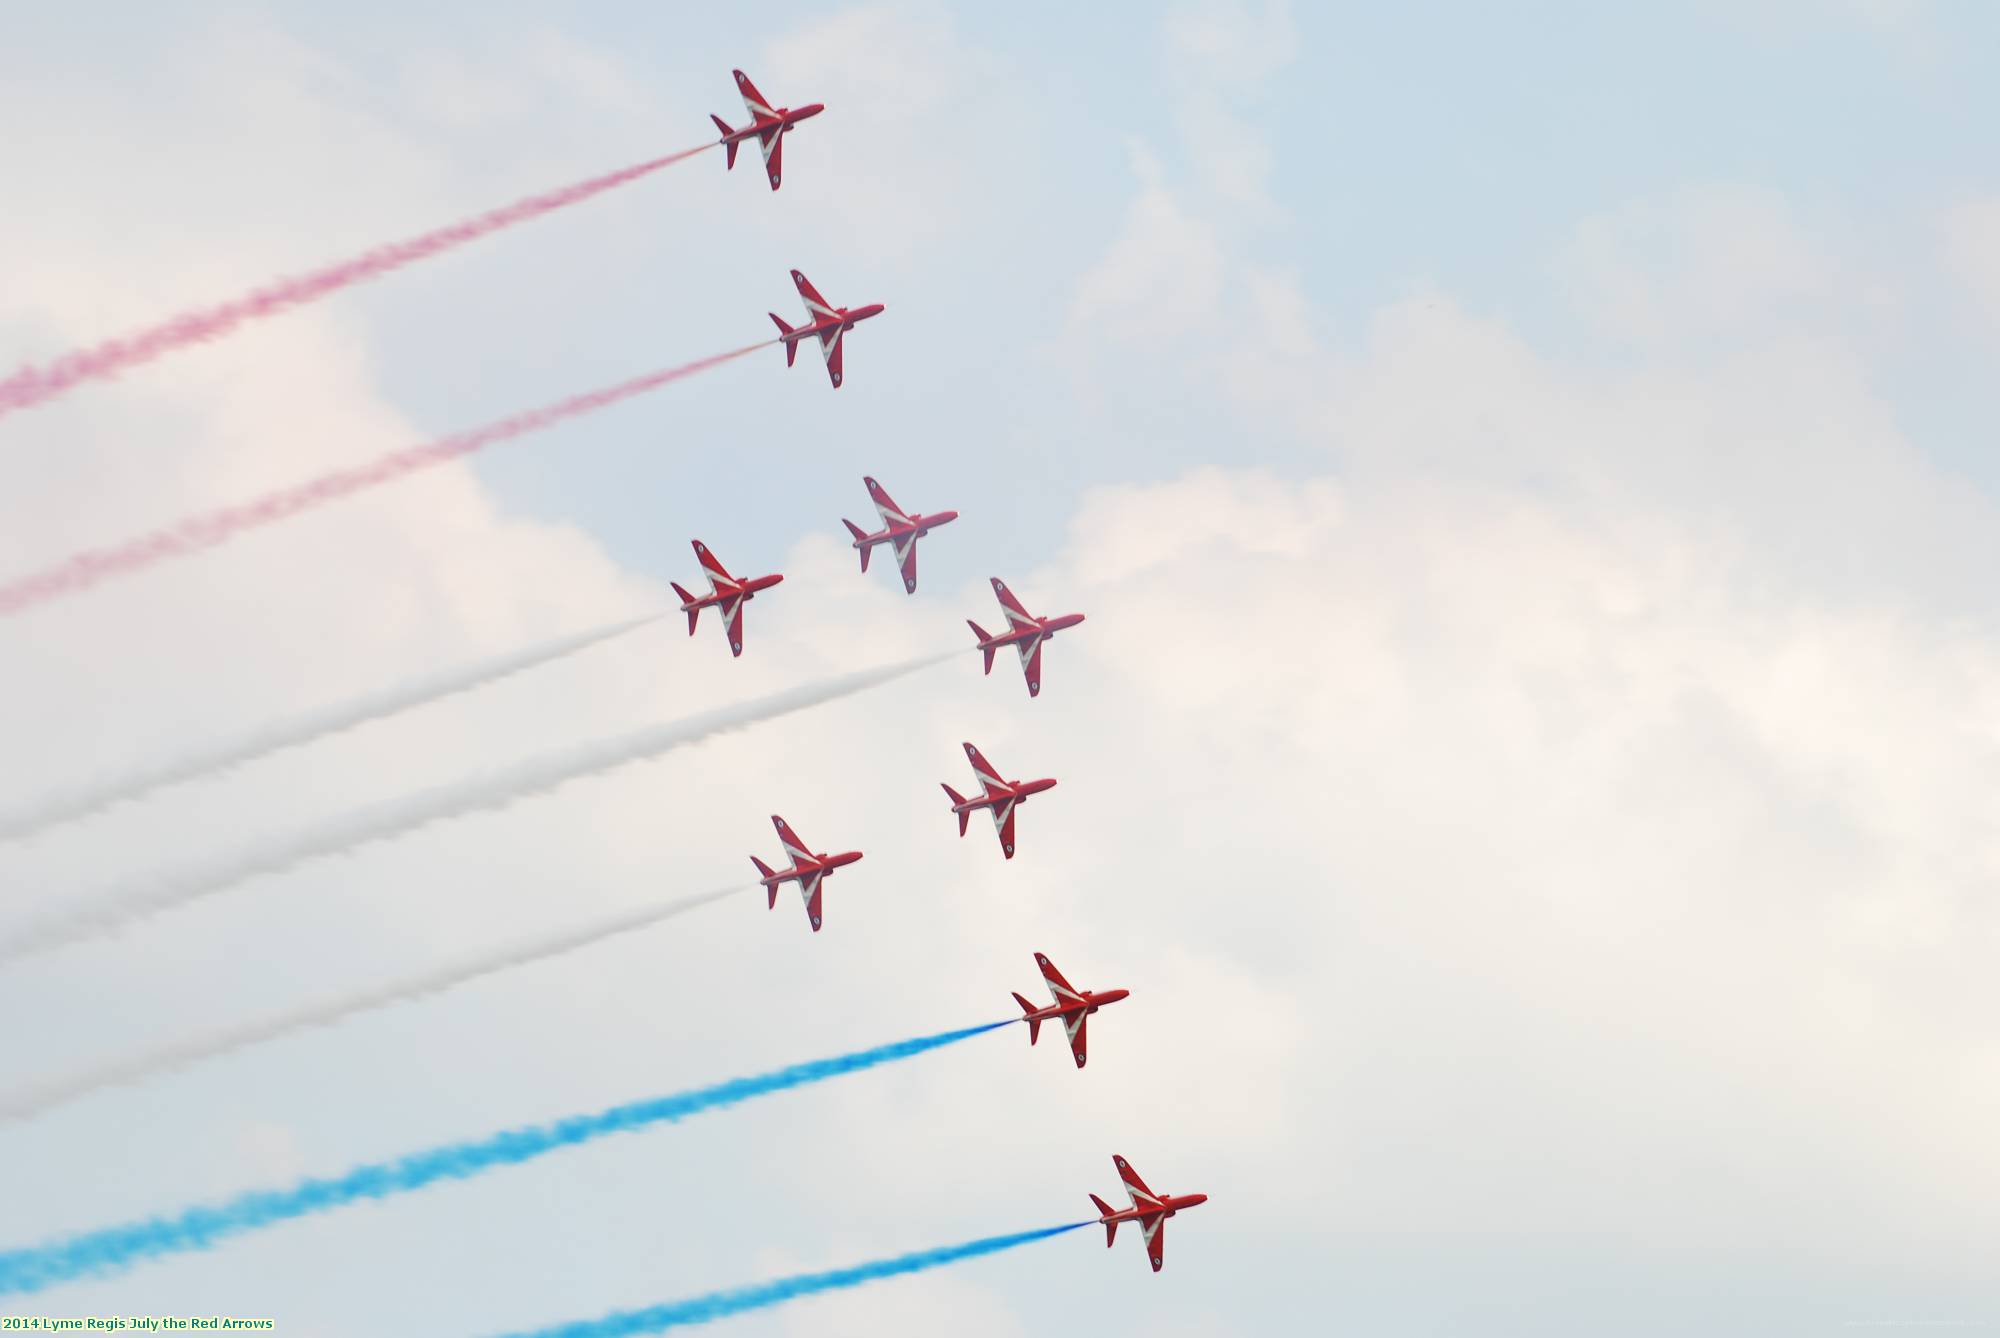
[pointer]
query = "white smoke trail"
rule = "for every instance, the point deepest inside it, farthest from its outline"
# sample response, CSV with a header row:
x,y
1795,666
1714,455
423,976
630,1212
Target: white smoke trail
x,y
379,822
22,1104
279,735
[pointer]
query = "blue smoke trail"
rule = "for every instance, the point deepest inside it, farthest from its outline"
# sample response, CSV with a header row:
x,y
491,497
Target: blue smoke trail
x,y
103,1251
721,1305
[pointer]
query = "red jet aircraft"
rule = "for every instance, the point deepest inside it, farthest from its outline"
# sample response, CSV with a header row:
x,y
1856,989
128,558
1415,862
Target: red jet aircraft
x,y
724,591
1148,1209
1072,1007
1001,797
825,323
899,528
807,870
1025,633
767,123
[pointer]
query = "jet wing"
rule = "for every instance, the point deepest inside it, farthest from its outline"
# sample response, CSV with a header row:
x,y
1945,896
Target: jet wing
x,y
906,562
809,889
829,347
754,102
1077,1025
1003,822
732,624
1156,1239
1017,617
1062,992
717,574
1143,1199
790,840
885,505
1031,664
988,777
816,306
773,144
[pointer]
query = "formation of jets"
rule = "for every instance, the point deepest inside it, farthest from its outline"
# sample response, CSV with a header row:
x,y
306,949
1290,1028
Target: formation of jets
x,y
998,797
900,530
828,325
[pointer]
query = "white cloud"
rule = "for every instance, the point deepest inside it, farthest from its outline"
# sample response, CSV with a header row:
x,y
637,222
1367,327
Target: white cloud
x,y
1160,278
1219,57
1230,43
1552,821
1589,760
1712,262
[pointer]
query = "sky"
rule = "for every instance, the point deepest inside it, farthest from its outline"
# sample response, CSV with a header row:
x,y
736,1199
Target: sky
x,y
1532,755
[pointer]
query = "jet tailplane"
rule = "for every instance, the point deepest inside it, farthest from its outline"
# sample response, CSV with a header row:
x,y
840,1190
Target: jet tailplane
x,y
1110,1228
980,632
728,144
785,333
859,535
958,803
1034,1023
769,879
686,599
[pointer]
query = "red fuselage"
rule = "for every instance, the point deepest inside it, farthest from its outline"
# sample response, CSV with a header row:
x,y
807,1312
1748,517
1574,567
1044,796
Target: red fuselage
x,y
919,525
725,592
807,866
1169,1205
781,120
1009,791
1091,1001
845,318
1040,630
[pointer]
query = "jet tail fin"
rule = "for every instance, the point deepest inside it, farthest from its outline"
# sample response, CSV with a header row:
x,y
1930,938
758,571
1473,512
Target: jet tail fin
x,y
958,803
1034,1023
859,535
1110,1228
728,144
686,599
784,331
768,873
980,632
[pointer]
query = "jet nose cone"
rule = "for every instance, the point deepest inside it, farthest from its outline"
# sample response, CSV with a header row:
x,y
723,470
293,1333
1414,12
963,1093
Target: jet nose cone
x,y
1196,1200
811,109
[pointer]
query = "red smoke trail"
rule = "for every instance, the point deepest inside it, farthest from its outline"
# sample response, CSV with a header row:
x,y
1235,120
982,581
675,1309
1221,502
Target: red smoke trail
x,y
190,536
33,385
